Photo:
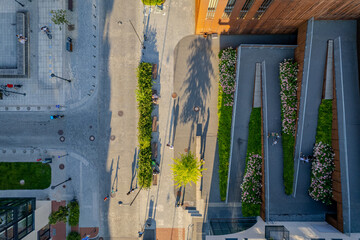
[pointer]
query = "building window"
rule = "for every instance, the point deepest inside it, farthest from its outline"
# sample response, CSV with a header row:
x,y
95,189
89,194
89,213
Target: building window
x,y
211,9
246,8
44,233
228,9
262,9
16,217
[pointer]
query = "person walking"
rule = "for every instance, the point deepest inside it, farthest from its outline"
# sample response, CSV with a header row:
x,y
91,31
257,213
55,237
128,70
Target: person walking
x,y
106,198
170,146
132,190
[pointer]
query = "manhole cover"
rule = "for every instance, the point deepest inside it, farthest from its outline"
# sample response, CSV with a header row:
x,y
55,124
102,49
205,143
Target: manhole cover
x,y
90,126
62,139
38,108
17,108
112,137
60,132
174,95
120,113
92,138
6,108
101,238
196,108
61,166
22,182
64,186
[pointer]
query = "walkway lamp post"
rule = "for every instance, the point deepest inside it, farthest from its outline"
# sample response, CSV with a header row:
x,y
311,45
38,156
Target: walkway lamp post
x,y
53,75
141,42
19,3
53,187
135,196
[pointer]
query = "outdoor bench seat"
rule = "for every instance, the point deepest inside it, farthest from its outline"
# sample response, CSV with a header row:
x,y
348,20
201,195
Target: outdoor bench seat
x,y
154,150
154,124
154,71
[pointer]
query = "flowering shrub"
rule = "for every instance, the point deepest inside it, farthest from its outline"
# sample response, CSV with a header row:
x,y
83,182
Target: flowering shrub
x,y
288,81
251,186
288,86
321,170
227,75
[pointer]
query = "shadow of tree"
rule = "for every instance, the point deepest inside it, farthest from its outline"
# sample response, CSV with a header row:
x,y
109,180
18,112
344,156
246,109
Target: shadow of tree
x,y
197,84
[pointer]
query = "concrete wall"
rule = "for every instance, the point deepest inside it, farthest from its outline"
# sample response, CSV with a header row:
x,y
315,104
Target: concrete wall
x,y
42,212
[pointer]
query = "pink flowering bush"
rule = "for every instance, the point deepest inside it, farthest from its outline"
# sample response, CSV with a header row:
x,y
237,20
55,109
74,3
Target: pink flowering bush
x,y
251,186
321,169
288,84
227,71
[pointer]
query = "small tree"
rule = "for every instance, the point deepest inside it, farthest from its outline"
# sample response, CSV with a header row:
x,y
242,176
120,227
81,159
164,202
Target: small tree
x,y
73,236
59,216
59,17
186,169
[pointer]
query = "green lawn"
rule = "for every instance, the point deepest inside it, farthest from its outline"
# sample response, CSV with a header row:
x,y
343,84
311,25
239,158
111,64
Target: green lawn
x,y
288,142
323,130
36,175
153,2
224,141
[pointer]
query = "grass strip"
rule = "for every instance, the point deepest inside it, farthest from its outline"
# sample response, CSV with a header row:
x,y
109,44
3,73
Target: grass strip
x,y
153,2
288,143
251,194
35,175
323,130
144,100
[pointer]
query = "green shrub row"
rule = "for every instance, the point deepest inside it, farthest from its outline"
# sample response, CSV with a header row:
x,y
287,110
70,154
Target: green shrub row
x,y
251,187
224,142
153,2
323,156
227,72
288,84
73,236
74,213
144,101
72,210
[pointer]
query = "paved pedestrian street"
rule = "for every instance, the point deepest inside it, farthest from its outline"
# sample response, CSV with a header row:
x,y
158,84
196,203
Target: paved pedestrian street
x,y
95,144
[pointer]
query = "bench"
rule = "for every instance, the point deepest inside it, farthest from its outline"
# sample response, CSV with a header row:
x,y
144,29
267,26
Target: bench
x,y
154,71
154,179
70,5
154,150
154,124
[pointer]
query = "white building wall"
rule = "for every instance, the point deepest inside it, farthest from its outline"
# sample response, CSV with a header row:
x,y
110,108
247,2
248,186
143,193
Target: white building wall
x,y
42,212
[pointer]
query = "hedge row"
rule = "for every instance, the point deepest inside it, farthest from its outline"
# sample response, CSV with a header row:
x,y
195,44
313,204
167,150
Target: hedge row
x,y
225,101
144,101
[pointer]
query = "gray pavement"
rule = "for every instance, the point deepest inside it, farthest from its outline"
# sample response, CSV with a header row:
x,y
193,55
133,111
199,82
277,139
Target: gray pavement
x,y
346,75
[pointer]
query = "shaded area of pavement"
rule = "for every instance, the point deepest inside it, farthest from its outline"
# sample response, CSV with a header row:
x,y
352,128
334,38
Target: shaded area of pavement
x,y
348,105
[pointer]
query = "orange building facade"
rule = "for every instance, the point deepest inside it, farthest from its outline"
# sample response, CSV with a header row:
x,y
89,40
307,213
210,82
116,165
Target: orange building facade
x,y
267,16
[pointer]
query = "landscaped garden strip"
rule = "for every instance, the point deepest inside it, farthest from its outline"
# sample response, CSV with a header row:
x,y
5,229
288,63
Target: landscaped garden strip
x,y
322,165
74,213
144,100
288,86
35,175
251,186
227,73
153,2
